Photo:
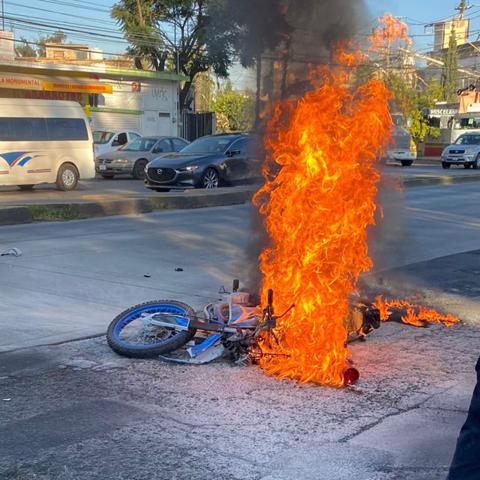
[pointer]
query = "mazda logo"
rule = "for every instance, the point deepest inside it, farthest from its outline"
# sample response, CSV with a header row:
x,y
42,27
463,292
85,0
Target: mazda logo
x,y
159,171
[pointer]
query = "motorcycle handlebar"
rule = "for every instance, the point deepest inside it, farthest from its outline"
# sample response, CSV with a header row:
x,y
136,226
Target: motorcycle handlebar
x,y
270,298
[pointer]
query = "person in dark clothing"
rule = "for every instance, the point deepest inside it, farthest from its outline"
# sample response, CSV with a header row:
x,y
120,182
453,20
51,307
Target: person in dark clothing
x,y
466,461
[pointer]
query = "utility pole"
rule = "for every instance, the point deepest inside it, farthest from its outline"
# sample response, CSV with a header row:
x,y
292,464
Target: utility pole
x,y
462,7
3,15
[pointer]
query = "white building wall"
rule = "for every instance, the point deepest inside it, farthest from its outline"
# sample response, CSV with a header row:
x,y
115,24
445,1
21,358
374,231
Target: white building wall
x,y
156,99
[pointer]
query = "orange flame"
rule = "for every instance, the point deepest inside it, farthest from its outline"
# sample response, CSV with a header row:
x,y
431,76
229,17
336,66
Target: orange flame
x,y
391,30
415,315
318,200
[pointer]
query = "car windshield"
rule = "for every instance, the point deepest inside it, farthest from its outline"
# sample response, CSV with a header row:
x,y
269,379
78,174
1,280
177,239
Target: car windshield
x,y
140,145
100,137
209,145
468,140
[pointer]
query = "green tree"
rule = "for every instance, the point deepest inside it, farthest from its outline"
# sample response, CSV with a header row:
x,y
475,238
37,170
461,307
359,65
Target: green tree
x,y
450,70
57,37
24,49
413,102
235,110
180,35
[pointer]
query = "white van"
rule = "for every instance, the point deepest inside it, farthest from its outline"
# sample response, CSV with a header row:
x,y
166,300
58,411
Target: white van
x,y
44,141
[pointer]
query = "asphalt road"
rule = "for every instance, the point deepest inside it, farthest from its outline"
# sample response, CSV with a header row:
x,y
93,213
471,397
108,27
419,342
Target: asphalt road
x,y
76,411
74,277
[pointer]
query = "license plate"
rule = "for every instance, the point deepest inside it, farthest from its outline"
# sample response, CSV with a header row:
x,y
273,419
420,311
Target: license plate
x,y
102,167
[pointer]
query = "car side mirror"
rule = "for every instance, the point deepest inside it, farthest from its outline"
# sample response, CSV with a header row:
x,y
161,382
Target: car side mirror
x,y
115,143
233,153
157,150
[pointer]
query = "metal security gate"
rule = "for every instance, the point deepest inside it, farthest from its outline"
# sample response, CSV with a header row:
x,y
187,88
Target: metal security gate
x,y
196,125
116,121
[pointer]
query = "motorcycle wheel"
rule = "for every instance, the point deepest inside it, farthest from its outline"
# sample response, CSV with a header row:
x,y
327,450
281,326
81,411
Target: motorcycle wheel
x,y
130,335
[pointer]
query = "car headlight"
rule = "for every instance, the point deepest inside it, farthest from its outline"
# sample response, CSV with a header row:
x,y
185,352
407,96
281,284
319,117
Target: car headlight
x,y
190,168
123,161
469,157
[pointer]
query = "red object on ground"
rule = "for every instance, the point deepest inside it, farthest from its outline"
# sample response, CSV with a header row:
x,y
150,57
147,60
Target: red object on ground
x,y
350,376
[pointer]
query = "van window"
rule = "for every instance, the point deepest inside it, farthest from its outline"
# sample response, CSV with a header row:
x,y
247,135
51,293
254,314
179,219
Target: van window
x,y
67,129
21,129
42,129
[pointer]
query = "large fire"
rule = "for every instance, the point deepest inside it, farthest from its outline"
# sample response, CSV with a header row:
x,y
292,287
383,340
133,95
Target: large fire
x,y
321,179
317,208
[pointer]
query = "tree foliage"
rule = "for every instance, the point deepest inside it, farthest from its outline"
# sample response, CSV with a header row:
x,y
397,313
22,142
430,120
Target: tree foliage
x,y
24,49
412,103
178,35
235,110
450,70
196,36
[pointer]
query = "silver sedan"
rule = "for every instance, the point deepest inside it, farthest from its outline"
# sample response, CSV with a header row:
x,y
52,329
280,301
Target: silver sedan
x,y
132,158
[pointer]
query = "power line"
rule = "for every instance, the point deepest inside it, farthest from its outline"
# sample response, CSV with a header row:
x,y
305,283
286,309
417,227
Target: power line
x,y
91,6
56,12
81,32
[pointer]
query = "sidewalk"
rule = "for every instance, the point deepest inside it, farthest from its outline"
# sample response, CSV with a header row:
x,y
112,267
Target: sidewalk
x,y
48,205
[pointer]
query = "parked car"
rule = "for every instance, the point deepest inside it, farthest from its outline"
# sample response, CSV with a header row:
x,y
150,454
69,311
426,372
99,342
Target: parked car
x,y
465,151
206,163
133,157
44,141
106,141
404,148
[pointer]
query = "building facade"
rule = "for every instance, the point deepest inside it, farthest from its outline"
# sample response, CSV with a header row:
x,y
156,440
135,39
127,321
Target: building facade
x,y
114,99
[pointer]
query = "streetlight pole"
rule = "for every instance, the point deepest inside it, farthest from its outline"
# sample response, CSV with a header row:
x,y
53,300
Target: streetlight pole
x,y
3,15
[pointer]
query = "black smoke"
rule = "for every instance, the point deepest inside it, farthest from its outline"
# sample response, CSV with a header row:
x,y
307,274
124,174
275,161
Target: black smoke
x,y
284,39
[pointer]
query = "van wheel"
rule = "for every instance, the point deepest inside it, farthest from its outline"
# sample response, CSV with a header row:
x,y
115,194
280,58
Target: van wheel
x,y
108,176
26,187
67,177
139,169
445,165
407,163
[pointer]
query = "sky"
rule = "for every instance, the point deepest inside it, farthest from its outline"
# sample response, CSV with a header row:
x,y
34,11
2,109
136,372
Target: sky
x,y
92,24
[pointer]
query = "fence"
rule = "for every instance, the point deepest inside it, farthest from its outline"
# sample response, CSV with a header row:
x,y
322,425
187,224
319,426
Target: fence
x,y
196,125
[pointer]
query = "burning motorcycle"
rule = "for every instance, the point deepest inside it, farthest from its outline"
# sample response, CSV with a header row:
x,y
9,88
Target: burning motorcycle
x,y
236,328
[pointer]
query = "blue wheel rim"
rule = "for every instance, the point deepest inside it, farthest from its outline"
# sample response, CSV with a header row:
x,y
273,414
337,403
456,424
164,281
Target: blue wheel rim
x,y
133,315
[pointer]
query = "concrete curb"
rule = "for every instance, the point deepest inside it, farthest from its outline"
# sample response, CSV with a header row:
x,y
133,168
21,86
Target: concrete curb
x,y
132,206
14,215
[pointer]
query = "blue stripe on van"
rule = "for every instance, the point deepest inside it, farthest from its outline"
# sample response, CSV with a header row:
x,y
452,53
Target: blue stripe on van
x,y
11,157
20,158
